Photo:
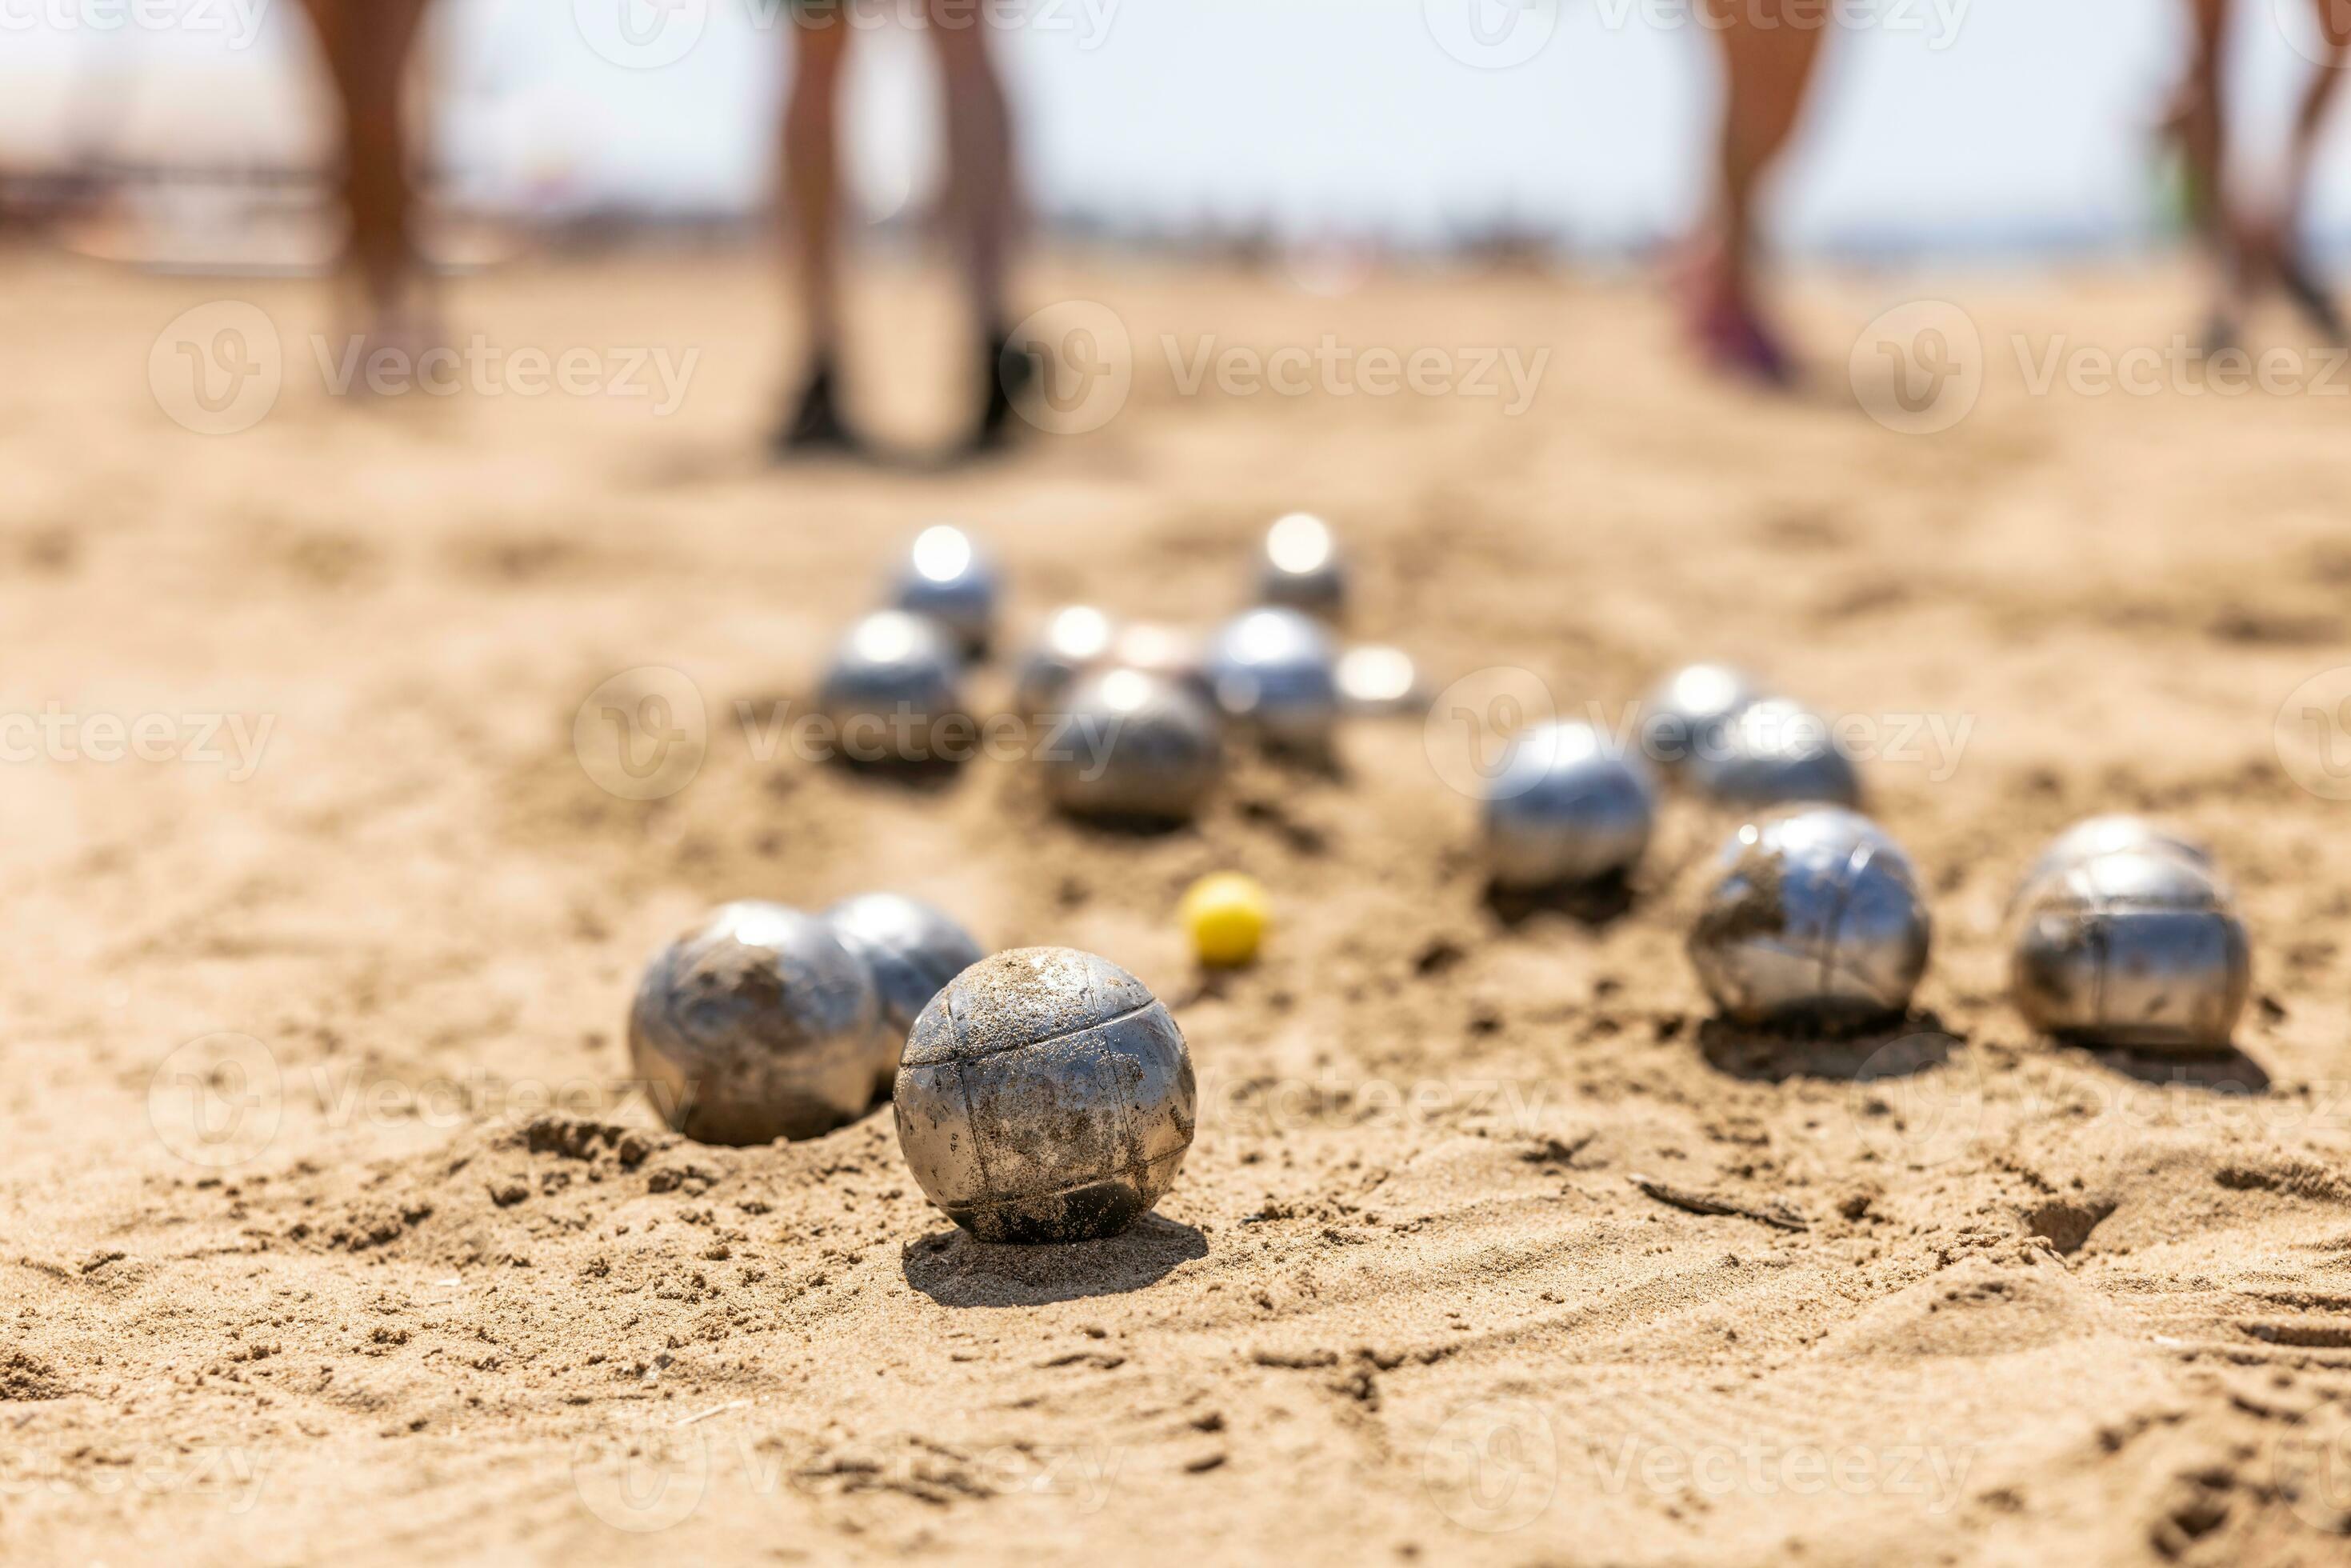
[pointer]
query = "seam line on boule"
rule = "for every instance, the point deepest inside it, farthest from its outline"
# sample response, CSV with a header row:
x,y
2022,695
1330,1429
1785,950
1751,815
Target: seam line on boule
x,y
1855,864
970,1111
1127,1138
1023,1045
2099,938
971,1131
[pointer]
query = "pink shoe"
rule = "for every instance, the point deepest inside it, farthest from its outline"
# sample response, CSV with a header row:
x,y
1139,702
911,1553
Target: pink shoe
x,y
1733,339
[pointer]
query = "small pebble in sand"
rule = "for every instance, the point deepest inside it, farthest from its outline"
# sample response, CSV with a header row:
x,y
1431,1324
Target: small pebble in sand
x,y
1817,917
947,578
2137,945
1566,807
1045,1096
756,1025
913,950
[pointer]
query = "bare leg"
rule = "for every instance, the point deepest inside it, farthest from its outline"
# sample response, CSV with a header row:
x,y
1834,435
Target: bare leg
x,y
1770,50
812,174
2284,245
2198,122
2197,118
982,199
367,43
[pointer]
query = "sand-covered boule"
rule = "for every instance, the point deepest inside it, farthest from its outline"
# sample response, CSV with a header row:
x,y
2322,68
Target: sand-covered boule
x,y
913,950
758,1024
1045,1096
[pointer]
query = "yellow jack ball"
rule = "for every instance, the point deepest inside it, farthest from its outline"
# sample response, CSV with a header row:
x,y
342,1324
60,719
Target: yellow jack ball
x,y
1226,916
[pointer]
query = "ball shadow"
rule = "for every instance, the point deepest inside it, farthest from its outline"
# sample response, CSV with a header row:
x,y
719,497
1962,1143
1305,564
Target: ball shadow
x,y
1322,763
1595,906
2227,1071
1895,1048
956,1271
933,776
1124,826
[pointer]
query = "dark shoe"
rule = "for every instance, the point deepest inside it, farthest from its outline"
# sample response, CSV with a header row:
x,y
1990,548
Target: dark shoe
x,y
815,424
1735,339
1011,372
2310,297
2221,334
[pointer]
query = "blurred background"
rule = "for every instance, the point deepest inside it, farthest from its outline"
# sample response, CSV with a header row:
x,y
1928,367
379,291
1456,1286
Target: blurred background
x,y
1964,128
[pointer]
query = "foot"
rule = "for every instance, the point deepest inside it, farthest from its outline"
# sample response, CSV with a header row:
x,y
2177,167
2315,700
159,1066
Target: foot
x,y
815,424
1730,332
1734,337
2221,333
2310,297
1010,375
402,333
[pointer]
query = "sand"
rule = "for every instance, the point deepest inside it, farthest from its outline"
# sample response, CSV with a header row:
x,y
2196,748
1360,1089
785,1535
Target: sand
x,y
1492,1246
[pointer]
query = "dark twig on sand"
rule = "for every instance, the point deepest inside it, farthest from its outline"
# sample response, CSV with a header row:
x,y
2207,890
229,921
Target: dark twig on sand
x,y
1681,1198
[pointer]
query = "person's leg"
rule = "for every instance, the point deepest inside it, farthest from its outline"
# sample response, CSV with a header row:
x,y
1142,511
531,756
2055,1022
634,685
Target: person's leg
x,y
2197,119
2198,122
367,43
2293,272
1770,50
983,197
820,36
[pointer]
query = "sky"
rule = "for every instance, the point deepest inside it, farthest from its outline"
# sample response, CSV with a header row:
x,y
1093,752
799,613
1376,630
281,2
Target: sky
x,y
1941,124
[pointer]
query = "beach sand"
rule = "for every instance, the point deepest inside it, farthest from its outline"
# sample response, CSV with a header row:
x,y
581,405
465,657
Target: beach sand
x,y
413,1273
